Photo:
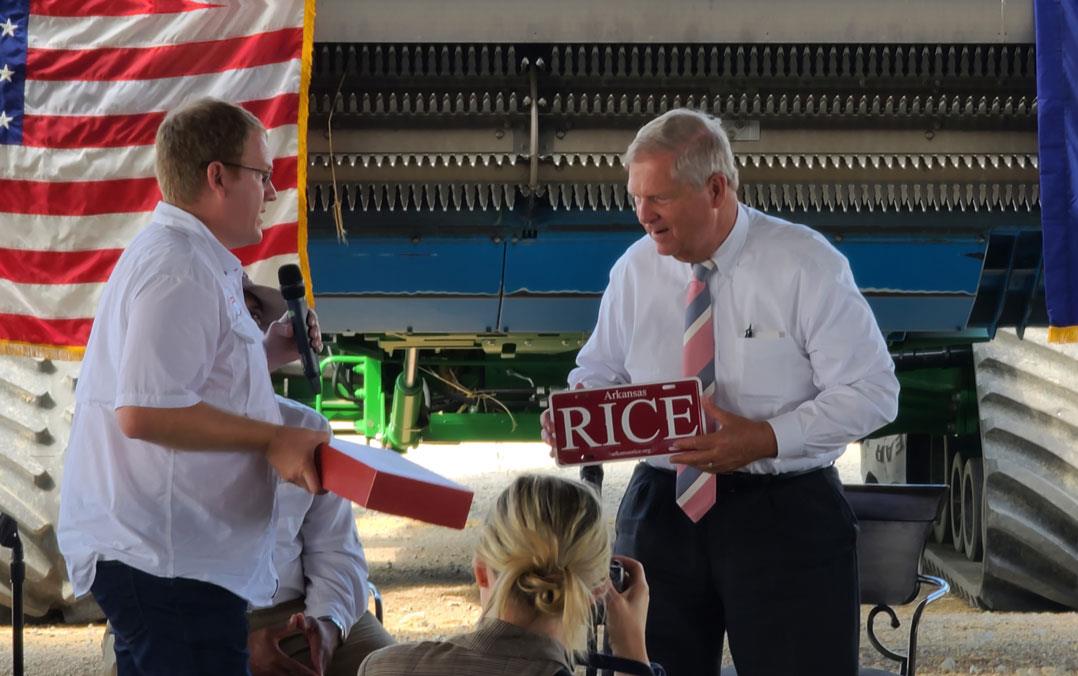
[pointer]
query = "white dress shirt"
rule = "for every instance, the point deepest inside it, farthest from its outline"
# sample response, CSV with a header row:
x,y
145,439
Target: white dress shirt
x,y
318,555
171,331
814,364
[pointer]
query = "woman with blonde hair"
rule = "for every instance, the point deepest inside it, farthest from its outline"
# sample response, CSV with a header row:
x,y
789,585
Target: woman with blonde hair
x,y
542,564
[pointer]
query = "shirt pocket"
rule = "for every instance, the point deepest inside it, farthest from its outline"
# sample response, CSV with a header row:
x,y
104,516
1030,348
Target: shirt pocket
x,y
246,338
773,368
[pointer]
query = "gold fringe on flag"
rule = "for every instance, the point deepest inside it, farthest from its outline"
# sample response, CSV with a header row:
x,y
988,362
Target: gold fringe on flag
x,y
301,152
16,348
1063,334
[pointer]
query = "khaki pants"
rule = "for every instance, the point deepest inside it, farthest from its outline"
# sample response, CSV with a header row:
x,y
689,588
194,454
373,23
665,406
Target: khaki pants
x,y
366,636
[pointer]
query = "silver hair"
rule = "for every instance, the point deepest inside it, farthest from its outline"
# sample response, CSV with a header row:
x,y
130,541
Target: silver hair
x,y
697,140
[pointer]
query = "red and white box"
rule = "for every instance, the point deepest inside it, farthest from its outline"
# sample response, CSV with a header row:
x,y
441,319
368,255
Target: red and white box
x,y
624,422
383,480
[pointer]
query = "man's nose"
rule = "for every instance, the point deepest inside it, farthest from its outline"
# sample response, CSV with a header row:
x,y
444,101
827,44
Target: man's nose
x,y
269,193
644,213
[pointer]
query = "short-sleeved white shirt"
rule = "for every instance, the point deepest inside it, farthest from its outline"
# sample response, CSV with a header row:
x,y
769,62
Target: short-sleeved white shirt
x,y
171,331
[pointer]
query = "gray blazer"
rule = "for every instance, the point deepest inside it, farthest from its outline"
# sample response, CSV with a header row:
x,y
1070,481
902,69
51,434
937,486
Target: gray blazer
x,y
495,648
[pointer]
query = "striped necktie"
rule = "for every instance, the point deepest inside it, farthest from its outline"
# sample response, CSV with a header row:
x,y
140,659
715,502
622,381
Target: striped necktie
x,y
695,489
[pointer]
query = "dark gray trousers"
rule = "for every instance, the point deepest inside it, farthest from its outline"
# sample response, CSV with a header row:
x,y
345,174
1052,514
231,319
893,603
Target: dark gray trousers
x,y
773,565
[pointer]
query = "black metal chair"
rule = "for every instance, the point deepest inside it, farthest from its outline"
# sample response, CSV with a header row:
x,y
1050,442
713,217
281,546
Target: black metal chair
x,y
895,521
376,595
9,539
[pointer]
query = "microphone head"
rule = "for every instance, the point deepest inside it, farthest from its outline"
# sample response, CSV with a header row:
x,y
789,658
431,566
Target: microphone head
x,y
289,275
291,280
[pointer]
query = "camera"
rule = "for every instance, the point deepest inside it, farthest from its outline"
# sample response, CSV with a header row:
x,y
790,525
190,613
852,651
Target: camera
x,y
618,577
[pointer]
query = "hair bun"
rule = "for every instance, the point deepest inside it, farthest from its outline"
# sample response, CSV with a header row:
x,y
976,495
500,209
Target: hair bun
x,y
545,589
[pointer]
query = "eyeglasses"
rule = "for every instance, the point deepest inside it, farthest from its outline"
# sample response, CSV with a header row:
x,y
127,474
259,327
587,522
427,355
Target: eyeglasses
x,y
266,175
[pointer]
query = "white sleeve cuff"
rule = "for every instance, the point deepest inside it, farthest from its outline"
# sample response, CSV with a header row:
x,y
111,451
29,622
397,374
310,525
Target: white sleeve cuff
x,y
789,436
320,610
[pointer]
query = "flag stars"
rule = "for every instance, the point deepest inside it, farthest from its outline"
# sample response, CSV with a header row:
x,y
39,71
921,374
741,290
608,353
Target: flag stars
x,y
6,73
5,121
7,28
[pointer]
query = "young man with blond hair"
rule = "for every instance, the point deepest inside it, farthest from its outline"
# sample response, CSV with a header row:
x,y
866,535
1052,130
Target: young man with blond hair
x,y
167,507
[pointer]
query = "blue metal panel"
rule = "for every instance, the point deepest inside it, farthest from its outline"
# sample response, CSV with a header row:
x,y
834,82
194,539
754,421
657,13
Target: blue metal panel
x,y
402,314
1011,291
906,270
576,262
564,261
395,265
915,313
552,314
556,264
924,264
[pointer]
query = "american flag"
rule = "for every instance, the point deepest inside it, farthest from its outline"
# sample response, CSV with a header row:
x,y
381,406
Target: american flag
x,y
83,86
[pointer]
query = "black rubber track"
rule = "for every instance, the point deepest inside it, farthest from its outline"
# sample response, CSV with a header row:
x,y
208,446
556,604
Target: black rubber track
x,y
1029,432
36,405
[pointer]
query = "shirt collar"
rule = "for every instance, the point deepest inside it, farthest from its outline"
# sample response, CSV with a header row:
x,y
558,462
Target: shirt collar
x,y
495,637
170,215
725,257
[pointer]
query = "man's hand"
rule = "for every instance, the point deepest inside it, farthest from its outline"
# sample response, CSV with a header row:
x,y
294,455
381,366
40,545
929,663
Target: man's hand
x,y
323,637
737,442
267,658
626,613
280,345
291,453
547,423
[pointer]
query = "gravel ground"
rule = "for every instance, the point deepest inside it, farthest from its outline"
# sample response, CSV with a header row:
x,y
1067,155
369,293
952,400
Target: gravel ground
x,y
424,575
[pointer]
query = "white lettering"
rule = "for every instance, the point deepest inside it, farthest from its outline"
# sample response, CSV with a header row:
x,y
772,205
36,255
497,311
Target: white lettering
x,y
627,426
567,423
608,420
623,394
672,418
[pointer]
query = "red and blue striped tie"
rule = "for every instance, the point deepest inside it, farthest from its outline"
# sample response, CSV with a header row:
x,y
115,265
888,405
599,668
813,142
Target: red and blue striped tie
x,y
695,489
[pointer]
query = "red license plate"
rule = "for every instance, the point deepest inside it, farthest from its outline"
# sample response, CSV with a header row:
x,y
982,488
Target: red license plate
x,y
624,422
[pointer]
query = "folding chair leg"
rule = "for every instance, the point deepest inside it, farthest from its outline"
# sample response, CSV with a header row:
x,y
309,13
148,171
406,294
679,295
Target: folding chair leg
x,y
942,587
907,663
377,596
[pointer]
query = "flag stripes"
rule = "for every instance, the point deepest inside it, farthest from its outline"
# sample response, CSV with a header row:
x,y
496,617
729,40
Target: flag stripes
x,y
169,61
57,267
78,233
153,30
128,97
115,131
90,81
86,8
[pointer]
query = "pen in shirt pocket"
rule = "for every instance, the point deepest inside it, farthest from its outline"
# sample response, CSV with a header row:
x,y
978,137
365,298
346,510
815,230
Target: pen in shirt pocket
x,y
755,332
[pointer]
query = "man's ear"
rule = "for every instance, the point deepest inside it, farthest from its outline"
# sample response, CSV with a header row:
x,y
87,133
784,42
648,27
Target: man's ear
x,y
717,185
215,176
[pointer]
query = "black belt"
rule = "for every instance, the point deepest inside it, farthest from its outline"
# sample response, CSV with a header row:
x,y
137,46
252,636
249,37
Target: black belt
x,y
744,482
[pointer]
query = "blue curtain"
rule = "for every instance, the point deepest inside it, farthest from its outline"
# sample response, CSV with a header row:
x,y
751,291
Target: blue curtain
x,y
1057,119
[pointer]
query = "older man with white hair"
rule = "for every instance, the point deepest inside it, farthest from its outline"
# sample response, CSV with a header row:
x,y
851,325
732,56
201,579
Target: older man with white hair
x,y
744,531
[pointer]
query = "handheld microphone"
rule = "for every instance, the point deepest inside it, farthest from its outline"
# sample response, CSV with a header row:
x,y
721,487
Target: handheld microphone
x,y
295,297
